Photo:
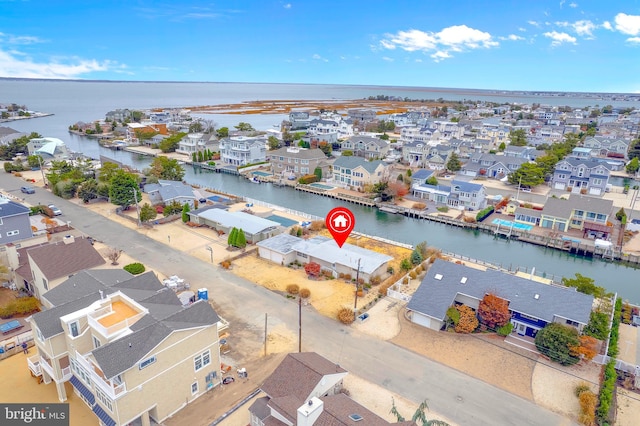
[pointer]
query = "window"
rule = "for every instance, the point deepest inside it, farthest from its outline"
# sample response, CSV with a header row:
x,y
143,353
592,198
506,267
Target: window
x,y
73,328
194,388
96,342
202,360
44,283
573,323
12,233
147,362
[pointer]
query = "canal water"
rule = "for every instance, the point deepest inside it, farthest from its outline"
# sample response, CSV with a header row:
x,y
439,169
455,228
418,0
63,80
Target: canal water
x,y
512,255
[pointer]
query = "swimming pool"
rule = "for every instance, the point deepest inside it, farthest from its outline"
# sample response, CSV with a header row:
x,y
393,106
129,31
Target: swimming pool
x,y
259,173
321,186
520,226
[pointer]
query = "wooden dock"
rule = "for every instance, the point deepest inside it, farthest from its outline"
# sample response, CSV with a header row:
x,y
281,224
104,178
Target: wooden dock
x,y
368,202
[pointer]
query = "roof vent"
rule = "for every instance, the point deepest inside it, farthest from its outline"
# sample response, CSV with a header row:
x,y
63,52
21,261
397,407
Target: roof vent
x,y
438,277
536,296
463,280
355,417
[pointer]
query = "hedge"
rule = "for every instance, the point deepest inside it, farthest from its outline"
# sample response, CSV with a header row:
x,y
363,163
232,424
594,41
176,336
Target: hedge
x,y
134,268
610,375
22,306
482,214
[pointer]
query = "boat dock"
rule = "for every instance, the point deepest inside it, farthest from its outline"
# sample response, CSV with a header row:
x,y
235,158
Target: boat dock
x,y
368,202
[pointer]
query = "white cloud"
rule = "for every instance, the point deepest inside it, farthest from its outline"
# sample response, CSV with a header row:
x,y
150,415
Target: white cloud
x,y
561,3
524,30
511,37
607,25
634,40
23,40
534,23
457,38
584,28
287,6
573,5
388,59
628,24
559,38
11,65
319,58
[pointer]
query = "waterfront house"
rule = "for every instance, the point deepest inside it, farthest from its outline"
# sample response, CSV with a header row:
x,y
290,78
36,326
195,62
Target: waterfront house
x,y
348,259
581,176
356,172
459,195
361,114
420,176
14,222
243,150
491,165
119,115
365,146
126,344
532,304
168,191
608,147
50,149
299,120
193,142
255,228
41,268
307,389
294,162
581,212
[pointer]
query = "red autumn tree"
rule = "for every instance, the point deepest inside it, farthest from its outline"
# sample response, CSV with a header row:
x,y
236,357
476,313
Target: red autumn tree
x,y
398,189
468,321
312,269
588,347
493,311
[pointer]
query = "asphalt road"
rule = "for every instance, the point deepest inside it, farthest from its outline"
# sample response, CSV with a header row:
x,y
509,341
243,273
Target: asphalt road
x,y
463,399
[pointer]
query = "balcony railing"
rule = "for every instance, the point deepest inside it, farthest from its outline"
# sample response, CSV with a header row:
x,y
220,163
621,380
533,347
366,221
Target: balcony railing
x,y
110,389
115,328
34,365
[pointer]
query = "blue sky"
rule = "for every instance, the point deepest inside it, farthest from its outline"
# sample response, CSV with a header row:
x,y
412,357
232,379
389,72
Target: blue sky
x,y
562,45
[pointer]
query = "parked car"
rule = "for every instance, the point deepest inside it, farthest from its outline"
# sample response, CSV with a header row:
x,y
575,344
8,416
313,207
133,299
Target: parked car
x,y
28,190
228,380
56,211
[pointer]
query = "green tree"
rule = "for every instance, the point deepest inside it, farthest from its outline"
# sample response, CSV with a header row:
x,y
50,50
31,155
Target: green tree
x,y
222,132
405,264
34,161
454,163
233,236
123,186
107,171
416,257
244,127
634,148
431,180
18,145
170,143
185,213
173,207
137,115
598,325
556,341
318,172
584,285
88,190
195,127
166,168
518,137
241,239
98,128
528,175
326,148
273,142
147,213
347,153
502,147
633,165
194,157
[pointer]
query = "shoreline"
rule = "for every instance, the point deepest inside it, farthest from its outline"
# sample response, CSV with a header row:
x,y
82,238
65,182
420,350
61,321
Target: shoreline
x,y
35,115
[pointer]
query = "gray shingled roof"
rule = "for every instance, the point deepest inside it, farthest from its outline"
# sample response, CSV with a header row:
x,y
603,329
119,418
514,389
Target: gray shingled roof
x,y
352,162
61,260
84,283
558,207
11,208
434,296
305,154
120,355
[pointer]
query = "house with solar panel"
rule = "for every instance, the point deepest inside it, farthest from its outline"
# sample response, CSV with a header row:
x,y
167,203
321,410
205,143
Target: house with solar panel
x,y
532,304
130,349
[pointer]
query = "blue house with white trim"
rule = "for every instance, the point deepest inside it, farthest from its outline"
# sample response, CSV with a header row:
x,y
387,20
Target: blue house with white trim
x,y
459,195
532,304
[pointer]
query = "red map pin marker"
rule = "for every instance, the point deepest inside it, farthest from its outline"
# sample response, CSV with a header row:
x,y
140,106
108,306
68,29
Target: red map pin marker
x,y
340,222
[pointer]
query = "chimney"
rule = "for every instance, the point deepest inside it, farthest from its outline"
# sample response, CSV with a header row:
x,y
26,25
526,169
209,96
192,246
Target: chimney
x,y
68,239
309,412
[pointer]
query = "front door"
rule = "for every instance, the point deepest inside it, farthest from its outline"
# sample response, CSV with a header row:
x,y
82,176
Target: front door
x,y
522,329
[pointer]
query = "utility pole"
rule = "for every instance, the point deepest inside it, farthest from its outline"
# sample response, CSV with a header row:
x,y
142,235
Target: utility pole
x,y
299,324
44,180
355,303
265,334
135,197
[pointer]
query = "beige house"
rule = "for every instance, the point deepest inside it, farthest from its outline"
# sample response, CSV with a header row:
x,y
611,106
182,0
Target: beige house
x,y
306,389
127,345
41,268
293,162
356,172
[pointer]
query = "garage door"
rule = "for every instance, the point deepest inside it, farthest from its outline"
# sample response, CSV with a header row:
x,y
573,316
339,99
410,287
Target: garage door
x,y
420,319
